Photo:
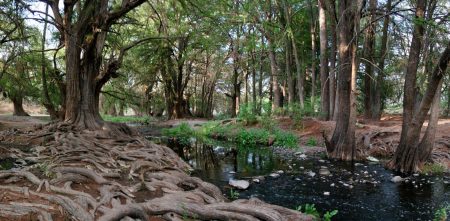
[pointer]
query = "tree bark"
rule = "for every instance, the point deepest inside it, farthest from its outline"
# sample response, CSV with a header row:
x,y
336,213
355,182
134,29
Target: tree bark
x,y
276,103
313,56
342,144
405,158
18,106
377,105
324,87
46,97
300,76
369,61
332,68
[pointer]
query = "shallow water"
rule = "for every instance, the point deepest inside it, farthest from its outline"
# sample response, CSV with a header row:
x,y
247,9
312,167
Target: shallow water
x,y
362,192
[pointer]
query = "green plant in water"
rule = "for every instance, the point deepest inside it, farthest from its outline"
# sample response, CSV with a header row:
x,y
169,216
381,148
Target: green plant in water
x,y
311,142
234,195
441,213
182,133
433,168
328,215
310,209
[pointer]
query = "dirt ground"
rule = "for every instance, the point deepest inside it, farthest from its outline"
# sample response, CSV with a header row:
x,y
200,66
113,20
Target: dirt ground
x,y
375,138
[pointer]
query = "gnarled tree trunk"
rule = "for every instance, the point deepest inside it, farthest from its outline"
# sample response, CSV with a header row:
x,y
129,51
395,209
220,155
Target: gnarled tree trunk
x,y
18,106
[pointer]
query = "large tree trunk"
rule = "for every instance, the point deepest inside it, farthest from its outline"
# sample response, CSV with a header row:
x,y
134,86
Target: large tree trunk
x,y
342,144
410,154
324,87
369,61
377,105
18,106
405,158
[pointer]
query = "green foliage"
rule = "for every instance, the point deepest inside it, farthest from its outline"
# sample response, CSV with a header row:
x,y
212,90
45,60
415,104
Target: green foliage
x,y
296,114
252,137
312,142
183,133
328,215
285,139
433,168
310,209
234,195
442,213
127,119
246,114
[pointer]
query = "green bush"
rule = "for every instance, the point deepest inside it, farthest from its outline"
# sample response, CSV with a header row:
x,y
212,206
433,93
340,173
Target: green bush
x,y
252,137
182,133
433,168
310,209
441,213
285,139
296,114
127,119
246,114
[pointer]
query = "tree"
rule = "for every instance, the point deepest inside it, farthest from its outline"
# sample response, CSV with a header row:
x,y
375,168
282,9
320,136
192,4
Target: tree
x,y
325,82
342,143
369,61
83,27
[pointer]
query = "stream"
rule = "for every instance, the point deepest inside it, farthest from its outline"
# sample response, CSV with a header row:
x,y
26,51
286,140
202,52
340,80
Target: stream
x,y
363,191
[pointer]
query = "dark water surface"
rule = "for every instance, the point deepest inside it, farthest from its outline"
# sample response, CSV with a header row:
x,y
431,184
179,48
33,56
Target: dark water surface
x,y
361,192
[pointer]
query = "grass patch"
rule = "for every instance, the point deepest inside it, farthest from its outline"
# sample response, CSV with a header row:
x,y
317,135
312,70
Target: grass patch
x,y
182,133
127,119
433,168
234,132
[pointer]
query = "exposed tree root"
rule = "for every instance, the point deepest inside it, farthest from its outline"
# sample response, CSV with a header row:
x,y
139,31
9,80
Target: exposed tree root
x,y
99,175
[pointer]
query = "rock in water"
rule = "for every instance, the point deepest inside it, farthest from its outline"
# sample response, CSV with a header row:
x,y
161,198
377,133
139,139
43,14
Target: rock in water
x,y
239,184
311,174
324,172
372,159
274,175
397,179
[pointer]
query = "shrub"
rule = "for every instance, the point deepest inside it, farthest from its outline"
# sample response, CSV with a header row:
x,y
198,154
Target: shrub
x,y
296,114
285,139
246,114
441,213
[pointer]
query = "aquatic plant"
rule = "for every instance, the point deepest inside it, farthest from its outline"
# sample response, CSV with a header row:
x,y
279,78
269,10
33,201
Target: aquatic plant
x,y
182,133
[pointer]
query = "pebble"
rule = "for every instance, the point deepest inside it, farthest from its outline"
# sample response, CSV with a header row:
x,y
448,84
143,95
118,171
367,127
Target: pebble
x,y
397,179
326,193
311,174
231,172
274,175
239,184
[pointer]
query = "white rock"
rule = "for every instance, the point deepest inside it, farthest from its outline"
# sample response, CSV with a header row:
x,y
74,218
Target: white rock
x,y
332,185
358,164
324,172
274,175
397,179
326,193
311,174
239,184
231,172
280,172
302,156
372,159
256,180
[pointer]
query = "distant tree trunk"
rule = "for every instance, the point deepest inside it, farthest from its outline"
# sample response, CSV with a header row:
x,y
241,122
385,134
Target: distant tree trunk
x,y
254,100
300,77
377,101
342,144
324,87
46,98
276,103
369,61
288,52
18,106
332,68
261,76
313,56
